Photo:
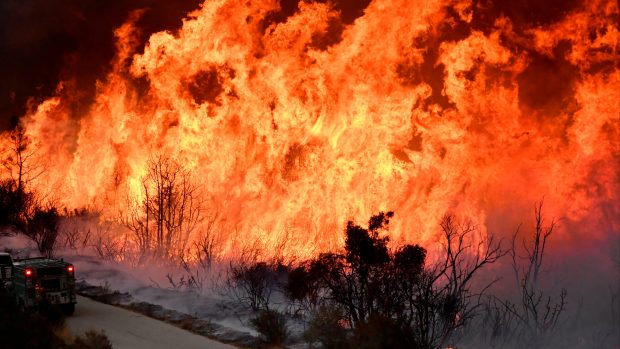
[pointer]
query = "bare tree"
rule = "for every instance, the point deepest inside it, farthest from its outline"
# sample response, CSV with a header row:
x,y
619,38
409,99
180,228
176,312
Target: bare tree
x,y
136,219
107,244
76,228
207,246
169,210
537,314
197,261
17,203
19,161
443,299
532,319
252,283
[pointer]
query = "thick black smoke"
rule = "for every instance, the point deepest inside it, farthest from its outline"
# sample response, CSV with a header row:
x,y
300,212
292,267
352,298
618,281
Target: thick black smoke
x,y
43,42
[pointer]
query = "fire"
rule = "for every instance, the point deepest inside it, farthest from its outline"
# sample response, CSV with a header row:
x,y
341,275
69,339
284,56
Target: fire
x,y
293,124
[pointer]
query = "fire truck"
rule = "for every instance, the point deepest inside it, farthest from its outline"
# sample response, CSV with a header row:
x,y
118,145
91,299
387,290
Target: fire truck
x,y
39,280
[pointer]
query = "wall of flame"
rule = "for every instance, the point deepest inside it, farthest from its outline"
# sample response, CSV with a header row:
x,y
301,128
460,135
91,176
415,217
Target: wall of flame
x,y
293,123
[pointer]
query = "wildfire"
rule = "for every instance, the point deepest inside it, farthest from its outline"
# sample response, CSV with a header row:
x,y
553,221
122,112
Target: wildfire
x,y
293,123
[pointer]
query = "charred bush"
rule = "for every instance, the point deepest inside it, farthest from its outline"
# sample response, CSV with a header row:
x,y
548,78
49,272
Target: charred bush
x,y
356,280
303,286
21,212
13,204
91,340
381,332
272,326
326,327
43,229
253,283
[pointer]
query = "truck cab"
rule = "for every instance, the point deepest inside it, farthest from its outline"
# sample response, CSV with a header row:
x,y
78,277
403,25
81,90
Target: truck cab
x,y
6,270
39,280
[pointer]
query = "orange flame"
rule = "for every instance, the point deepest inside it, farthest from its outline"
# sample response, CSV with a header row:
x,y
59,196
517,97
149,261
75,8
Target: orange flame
x,y
292,127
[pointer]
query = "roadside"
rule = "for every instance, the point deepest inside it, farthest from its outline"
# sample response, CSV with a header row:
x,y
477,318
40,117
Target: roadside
x,y
185,322
129,330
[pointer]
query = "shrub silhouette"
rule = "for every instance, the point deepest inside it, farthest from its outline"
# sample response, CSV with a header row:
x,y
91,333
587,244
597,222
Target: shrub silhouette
x,y
253,283
43,229
91,340
325,327
394,300
13,205
272,326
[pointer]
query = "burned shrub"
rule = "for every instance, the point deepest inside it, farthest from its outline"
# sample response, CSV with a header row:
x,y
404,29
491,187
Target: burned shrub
x,y
355,280
252,284
272,326
326,328
303,286
91,340
43,229
381,332
14,202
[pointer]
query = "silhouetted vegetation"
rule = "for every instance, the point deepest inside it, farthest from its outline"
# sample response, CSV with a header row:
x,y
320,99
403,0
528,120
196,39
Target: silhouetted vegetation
x,y
13,206
21,213
252,283
326,328
43,229
91,340
272,326
533,319
393,299
20,208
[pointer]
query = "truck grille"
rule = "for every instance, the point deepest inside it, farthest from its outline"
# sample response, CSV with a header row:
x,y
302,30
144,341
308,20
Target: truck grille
x,y
51,285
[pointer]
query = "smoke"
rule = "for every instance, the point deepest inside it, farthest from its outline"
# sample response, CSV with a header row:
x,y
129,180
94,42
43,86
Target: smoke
x,y
43,43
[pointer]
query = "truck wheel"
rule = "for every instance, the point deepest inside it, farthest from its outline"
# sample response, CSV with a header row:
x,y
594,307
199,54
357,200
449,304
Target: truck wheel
x,y
68,309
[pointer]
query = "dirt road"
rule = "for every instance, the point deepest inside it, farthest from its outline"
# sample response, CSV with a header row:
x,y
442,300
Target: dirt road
x,y
129,330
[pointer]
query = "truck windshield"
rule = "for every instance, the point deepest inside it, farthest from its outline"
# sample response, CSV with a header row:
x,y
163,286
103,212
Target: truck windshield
x,y
4,259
